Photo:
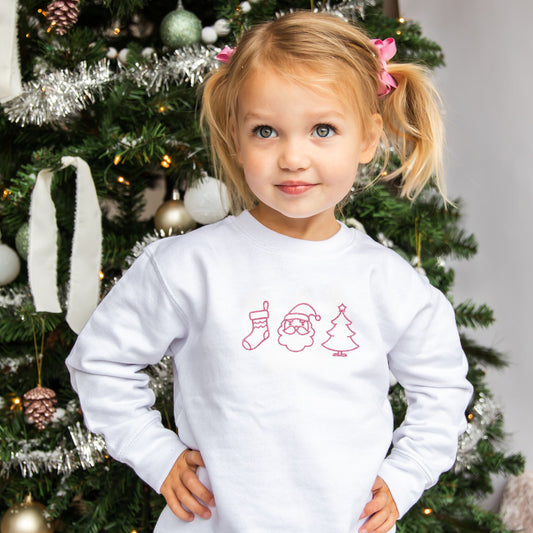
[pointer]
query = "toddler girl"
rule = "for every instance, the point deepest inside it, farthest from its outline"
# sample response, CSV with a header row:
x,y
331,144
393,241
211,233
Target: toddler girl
x,y
281,321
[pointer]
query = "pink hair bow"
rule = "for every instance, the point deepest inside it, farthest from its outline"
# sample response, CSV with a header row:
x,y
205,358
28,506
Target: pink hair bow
x,y
225,54
386,50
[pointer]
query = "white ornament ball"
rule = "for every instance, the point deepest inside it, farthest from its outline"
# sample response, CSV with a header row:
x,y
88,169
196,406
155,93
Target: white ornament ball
x,y
9,264
246,7
207,201
148,52
209,35
112,53
222,27
58,416
123,56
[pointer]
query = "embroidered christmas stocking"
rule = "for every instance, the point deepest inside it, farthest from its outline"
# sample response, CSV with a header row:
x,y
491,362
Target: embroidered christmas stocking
x,y
260,330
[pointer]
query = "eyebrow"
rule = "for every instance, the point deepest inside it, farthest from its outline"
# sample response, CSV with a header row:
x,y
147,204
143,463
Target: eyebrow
x,y
253,116
326,113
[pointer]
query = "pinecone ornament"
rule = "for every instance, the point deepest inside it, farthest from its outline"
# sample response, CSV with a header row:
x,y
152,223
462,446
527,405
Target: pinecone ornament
x,y
63,14
39,406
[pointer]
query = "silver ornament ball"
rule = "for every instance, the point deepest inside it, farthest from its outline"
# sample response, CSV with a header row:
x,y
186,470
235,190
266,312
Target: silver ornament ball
x,y
180,28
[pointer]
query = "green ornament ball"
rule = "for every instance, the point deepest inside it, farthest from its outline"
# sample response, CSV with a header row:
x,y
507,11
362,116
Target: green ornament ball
x,y
22,240
180,28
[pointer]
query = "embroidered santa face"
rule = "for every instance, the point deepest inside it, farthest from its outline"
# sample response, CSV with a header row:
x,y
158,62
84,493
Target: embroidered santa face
x,y
296,331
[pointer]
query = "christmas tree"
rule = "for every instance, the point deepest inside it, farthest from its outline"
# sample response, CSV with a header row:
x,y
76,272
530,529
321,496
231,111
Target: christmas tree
x,y
340,335
108,112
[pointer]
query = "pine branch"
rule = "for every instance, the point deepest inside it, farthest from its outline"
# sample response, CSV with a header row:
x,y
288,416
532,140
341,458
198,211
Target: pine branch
x,y
482,355
469,314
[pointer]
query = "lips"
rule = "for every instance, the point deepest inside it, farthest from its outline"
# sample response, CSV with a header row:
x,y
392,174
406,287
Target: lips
x,y
295,187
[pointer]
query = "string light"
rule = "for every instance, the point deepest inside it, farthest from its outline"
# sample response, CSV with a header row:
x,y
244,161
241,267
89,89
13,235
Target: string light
x,y
116,31
5,194
427,511
166,161
117,159
101,275
398,32
16,404
470,416
123,180
162,108
401,20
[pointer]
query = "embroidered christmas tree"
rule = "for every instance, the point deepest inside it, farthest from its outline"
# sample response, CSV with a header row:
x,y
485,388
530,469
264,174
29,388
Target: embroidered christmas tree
x,y
340,335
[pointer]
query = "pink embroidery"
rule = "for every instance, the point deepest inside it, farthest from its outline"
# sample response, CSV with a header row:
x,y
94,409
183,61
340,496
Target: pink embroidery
x,y
340,335
296,331
260,331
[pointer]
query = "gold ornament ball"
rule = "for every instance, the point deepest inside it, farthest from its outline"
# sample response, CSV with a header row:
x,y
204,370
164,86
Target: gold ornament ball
x,y
26,517
171,218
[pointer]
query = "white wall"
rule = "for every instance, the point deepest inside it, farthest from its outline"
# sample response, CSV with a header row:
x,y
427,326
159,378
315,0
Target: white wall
x,y
487,87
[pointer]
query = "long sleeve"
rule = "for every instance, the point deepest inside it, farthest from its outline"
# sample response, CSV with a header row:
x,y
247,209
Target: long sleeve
x,y
430,364
132,328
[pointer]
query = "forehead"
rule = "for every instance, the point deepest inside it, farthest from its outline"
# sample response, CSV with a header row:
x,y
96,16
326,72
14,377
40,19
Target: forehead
x,y
269,90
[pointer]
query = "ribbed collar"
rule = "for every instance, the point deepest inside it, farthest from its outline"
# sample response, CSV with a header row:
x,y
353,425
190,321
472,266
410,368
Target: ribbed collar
x,y
265,238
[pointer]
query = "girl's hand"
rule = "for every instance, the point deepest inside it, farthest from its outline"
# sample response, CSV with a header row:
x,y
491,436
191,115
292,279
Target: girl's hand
x,y
182,487
381,508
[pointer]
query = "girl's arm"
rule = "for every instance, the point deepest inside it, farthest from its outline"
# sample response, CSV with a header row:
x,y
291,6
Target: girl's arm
x,y
430,364
132,328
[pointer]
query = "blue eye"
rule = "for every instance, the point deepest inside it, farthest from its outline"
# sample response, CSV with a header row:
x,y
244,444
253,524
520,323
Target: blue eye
x,y
265,132
324,130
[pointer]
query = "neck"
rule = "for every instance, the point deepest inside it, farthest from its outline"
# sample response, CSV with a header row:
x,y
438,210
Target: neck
x,y
318,227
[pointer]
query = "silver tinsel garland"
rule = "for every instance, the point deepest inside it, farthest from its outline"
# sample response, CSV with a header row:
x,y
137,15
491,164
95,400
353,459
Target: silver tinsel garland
x,y
58,94
189,65
161,377
13,297
484,413
31,459
10,365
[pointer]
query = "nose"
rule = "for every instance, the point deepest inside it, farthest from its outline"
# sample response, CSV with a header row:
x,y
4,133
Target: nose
x,y
293,156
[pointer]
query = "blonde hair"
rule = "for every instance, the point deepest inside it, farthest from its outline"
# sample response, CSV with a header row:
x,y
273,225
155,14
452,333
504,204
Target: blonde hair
x,y
319,50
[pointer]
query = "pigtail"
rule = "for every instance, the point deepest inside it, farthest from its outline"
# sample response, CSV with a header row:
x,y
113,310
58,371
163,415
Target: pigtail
x,y
413,126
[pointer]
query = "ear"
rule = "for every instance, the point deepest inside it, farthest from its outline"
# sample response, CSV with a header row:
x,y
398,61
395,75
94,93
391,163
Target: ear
x,y
370,144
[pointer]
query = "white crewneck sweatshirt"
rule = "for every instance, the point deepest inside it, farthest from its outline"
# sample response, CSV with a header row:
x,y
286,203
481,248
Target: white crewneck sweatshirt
x,y
281,350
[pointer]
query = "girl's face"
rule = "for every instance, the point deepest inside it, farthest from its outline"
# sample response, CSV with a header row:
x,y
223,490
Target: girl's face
x,y
299,149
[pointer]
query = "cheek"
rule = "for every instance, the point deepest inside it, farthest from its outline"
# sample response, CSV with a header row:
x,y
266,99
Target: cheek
x,y
342,170
255,166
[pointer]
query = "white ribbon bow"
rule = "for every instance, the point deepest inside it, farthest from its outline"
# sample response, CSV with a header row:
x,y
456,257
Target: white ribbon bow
x,y
84,291
10,84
